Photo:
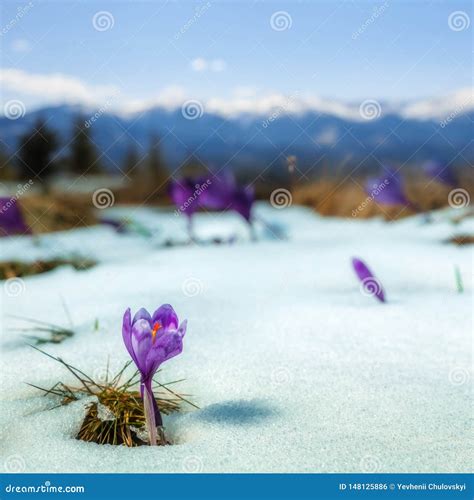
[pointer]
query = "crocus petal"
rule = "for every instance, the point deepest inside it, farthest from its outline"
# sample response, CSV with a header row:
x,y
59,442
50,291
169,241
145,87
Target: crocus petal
x,y
167,318
169,345
142,314
127,333
182,328
370,283
141,343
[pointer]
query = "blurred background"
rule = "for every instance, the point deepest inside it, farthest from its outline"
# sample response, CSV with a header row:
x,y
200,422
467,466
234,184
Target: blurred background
x,y
315,98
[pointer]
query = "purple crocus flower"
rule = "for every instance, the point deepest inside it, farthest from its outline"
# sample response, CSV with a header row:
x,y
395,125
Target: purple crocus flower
x,y
11,218
150,341
225,194
185,194
440,172
370,285
387,189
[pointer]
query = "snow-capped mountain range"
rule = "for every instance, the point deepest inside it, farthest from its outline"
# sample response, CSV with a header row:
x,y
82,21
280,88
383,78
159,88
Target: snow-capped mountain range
x,y
255,133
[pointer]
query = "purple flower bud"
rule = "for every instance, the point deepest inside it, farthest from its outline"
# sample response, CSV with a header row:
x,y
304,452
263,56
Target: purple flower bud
x,y
11,218
370,285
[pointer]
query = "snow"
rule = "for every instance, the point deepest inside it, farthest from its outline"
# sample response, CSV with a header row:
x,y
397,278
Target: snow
x,y
294,369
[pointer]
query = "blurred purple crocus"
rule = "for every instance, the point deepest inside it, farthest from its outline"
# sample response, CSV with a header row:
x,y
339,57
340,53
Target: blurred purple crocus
x,y
387,189
11,218
185,194
225,194
370,285
440,172
151,340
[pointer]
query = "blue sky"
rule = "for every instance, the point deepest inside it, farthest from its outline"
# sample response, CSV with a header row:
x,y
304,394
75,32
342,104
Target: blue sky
x,y
349,50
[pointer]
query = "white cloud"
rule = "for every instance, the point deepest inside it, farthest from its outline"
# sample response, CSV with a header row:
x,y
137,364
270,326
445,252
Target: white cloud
x,y
214,65
54,88
169,98
199,64
458,102
59,88
21,45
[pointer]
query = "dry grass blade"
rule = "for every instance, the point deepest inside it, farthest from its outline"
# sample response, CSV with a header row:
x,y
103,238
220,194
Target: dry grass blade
x,y
53,334
117,417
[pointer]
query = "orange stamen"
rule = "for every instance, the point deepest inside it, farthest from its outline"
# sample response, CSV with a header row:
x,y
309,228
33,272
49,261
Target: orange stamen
x,y
156,327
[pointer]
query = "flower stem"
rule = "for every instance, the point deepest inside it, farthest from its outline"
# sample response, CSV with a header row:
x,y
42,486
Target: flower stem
x,y
148,403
